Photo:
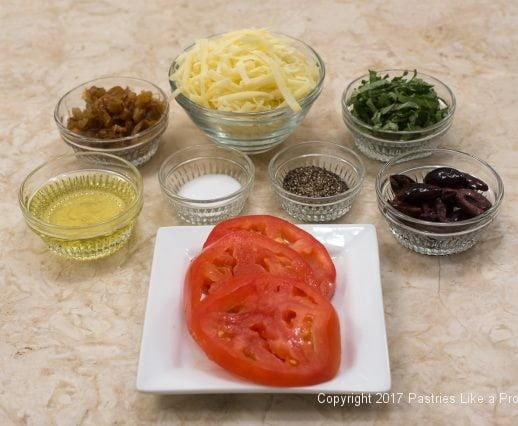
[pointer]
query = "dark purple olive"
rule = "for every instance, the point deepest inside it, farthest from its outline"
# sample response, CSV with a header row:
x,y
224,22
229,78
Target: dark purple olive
x,y
400,182
419,193
429,214
471,202
413,211
446,177
475,183
456,216
441,210
449,197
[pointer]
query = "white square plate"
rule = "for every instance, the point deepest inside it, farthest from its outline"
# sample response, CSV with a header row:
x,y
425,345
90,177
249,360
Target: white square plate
x,y
172,363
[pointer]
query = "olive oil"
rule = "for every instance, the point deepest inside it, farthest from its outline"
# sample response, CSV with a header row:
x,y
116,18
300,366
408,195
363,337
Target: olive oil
x,y
87,215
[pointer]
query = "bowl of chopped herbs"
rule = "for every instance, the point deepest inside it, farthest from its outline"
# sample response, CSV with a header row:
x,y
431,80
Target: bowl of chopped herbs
x,y
395,112
316,181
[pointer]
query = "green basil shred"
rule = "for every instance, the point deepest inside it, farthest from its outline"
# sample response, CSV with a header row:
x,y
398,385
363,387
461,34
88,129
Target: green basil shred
x,y
398,104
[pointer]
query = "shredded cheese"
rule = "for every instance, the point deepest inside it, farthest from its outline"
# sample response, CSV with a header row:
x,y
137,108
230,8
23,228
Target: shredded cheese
x,y
245,71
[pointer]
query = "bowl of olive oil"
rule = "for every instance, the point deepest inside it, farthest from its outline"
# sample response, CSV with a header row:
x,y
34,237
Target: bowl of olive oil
x,y
83,205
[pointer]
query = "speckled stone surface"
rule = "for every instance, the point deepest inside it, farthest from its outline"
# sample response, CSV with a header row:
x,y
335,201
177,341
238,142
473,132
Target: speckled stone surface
x,y
70,332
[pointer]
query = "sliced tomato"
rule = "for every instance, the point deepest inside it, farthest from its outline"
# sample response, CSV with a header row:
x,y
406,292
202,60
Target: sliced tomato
x,y
241,253
271,330
312,250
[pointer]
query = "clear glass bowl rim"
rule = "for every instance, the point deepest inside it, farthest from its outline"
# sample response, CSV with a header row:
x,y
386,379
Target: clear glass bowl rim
x,y
448,225
366,127
317,200
185,200
86,139
229,115
134,204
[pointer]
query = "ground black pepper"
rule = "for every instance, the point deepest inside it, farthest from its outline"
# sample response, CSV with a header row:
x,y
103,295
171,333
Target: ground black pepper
x,y
313,181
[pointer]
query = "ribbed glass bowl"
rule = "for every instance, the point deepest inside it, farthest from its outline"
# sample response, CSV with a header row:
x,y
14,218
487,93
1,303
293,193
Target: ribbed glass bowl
x,y
383,145
252,133
199,160
430,237
87,170
333,157
138,148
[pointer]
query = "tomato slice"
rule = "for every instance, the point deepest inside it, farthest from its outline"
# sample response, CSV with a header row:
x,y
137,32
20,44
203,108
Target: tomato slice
x,y
241,253
271,330
311,250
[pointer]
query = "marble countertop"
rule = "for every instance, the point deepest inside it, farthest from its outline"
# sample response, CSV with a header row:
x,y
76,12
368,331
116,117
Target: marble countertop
x,y
70,332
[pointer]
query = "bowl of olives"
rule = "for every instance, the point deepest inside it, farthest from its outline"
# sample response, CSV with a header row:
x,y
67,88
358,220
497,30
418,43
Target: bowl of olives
x,y
441,203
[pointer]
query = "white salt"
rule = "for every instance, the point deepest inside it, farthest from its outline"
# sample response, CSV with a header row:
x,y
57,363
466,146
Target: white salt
x,y
208,187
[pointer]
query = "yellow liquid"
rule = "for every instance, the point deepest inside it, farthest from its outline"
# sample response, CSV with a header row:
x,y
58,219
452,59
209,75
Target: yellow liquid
x,y
85,200
84,207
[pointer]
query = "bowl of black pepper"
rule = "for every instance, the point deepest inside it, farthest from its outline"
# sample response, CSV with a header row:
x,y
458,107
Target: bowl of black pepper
x,y
316,181
439,204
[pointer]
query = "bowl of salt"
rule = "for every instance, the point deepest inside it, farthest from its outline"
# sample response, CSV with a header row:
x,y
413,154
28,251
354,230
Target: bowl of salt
x,y
206,184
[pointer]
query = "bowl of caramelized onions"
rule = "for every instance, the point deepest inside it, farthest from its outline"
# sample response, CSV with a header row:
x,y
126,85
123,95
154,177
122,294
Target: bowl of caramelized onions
x,y
122,116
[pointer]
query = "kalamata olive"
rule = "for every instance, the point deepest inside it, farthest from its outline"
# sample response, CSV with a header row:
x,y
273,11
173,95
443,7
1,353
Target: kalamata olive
x,y
400,182
440,209
471,202
419,193
429,214
413,211
446,177
449,196
456,215
475,183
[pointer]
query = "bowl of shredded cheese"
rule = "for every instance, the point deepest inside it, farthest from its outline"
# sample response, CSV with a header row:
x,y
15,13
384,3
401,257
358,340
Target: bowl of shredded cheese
x,y
247,89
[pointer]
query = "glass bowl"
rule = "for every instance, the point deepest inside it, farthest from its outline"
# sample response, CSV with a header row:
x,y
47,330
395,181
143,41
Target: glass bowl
x,y
434,238
138,148
252,133
333,157
196,161
383,145
74,233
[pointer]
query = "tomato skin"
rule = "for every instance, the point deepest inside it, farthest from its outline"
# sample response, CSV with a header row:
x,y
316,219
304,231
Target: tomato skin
x,y
284,232
240,253
271,330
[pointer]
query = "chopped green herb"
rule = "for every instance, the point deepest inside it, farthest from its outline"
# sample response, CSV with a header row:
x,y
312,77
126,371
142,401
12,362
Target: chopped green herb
x,y
398,104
